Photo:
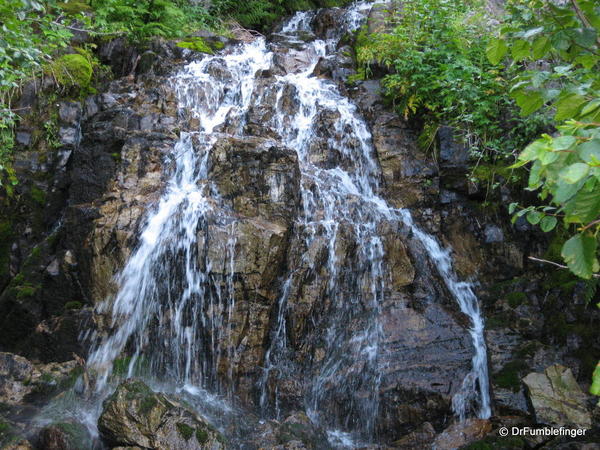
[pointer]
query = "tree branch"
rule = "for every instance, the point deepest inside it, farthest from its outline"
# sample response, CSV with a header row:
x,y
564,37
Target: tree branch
x,y
595,275
582,17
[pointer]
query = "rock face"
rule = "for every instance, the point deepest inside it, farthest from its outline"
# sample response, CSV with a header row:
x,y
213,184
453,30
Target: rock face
x,y
137,417
557,399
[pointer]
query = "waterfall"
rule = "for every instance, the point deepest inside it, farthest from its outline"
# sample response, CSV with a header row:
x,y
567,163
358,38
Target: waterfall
x,y
173,310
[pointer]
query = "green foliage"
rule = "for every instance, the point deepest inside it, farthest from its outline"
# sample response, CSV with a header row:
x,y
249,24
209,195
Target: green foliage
x,y
565,167
261,14
140,20
436,51
29,36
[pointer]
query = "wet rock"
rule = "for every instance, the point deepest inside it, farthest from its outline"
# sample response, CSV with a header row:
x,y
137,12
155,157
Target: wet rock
x,y
257,176
337,66
297,431
65,436
493,234
293,61
462,433
422,437
426,355
23,138
69,136
15,371
557,399
21,381
453,154
69,112
327,22
57,339
134,415
405,168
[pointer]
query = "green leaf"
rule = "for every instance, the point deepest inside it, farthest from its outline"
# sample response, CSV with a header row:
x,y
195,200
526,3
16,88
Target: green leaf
x,y
548,223
532,32
595,387
574,173
512,208
583,208
590,107
520,50
535,174
589,151
549,157
579,253
534,217
563,142
496,50
565,191
528,101
533,150
586,60
568,107
540,47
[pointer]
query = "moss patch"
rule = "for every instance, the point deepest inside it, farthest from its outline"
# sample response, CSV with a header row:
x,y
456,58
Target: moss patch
x,y
147,404
37,195
72,70
509,377
185,431
73,305
196,44
516,299
77,434
25,291
201,436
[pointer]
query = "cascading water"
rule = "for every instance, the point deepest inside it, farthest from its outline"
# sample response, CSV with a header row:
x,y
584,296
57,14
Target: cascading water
x,y
173,312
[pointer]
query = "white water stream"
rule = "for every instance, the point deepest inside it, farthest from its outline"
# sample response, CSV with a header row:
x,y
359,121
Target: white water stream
x,y
172,314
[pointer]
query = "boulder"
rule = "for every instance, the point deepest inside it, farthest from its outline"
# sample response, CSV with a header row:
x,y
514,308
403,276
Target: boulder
x,y
65,436
557,399
134,415
462,433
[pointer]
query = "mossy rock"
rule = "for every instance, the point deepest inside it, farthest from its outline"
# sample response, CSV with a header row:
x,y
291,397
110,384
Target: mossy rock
x,y
196,44
134,415
68,435
185,431
72,70
509,377
38,196
516,299
73,305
